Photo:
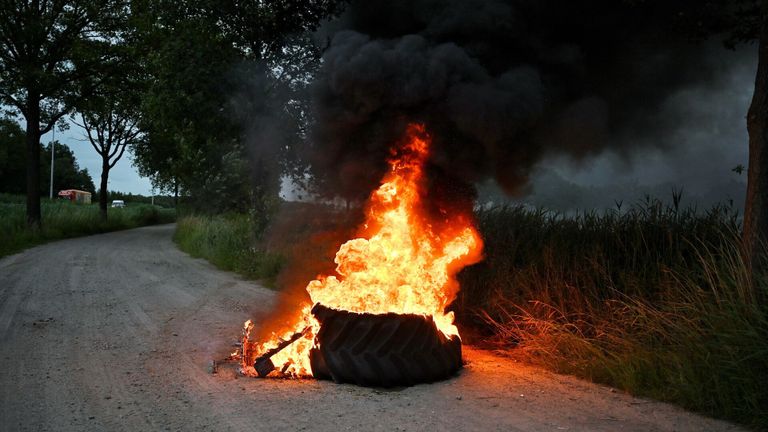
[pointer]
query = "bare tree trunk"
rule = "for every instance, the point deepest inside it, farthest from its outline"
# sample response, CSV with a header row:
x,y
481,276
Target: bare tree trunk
x,y
104,186
756,208
33,160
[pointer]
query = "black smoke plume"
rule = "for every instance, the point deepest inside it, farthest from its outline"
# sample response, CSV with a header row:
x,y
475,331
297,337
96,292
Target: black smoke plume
x,y
499,84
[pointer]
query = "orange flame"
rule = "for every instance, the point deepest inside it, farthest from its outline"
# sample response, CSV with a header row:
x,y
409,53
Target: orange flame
x,y
404,262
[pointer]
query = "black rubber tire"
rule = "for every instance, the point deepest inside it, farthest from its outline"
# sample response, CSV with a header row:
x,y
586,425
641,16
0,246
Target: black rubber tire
x,y
384,350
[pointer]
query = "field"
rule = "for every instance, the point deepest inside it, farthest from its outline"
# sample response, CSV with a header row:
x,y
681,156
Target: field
x,y
62,219
653,300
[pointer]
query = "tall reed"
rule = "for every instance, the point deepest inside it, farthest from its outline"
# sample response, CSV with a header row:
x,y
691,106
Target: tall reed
x,y
655,300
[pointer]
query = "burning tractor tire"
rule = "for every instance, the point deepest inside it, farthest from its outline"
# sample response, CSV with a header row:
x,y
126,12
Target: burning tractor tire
x,y
398,275
381,350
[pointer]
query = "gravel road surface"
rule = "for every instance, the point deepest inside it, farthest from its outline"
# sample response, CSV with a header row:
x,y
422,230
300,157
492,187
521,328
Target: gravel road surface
x,y
115,332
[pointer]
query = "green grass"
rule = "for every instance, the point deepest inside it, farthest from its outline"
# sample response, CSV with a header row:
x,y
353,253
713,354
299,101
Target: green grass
x,y
655,301
62,219
228,242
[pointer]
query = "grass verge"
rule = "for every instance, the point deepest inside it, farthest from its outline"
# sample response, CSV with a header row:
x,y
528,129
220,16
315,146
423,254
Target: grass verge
x,y
229,242
62,219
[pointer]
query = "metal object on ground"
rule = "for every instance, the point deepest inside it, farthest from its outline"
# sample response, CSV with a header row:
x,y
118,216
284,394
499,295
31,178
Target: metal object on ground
x,y
263,363
381,350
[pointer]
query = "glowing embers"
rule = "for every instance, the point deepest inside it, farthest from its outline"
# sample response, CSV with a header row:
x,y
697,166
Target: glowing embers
x,y
403,263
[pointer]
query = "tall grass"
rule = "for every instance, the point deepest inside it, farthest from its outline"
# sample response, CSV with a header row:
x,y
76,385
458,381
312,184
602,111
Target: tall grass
x,y
655,301
230,243
62,219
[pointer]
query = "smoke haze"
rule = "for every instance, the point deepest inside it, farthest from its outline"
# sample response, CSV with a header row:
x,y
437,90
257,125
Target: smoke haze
x,y
506,86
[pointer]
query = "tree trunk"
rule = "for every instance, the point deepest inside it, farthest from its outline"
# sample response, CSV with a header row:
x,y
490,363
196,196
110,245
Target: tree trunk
x,y
33,160
104,186
756,208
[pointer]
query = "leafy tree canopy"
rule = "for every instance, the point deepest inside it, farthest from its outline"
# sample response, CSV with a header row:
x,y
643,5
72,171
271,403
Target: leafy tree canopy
x,y
213,70
67,173
52,54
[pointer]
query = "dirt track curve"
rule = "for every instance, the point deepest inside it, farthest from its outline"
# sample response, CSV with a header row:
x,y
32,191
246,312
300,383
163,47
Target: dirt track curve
x,y
116,331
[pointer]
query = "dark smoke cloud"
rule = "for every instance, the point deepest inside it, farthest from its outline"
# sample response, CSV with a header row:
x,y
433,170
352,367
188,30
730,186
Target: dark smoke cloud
x,y
500,85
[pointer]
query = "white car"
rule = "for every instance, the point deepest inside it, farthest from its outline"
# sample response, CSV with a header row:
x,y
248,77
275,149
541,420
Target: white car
x,y
118,203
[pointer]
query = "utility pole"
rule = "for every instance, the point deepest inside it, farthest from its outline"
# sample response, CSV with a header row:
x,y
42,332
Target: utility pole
x,y
53,144
152,182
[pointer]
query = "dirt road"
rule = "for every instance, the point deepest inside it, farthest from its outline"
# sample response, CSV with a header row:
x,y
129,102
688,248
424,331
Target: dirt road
x,y
116,331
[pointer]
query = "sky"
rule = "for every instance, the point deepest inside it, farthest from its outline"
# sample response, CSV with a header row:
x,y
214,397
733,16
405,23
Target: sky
x,y
124,177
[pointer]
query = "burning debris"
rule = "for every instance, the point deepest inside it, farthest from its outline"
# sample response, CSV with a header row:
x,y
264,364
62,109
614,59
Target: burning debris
x,y
381,320
264,365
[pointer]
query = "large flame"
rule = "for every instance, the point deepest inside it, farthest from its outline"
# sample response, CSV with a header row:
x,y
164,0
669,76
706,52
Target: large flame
x,y
404,261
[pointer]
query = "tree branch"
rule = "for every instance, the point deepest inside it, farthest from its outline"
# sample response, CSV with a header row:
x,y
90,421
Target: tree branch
x,y
89,135
122,150
53,121
15,102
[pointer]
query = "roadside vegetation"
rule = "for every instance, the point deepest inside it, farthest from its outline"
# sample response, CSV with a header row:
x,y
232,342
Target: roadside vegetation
x,y
229,242
654,300
63,219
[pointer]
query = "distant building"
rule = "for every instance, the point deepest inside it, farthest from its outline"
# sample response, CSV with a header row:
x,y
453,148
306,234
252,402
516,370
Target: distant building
x,y
76,196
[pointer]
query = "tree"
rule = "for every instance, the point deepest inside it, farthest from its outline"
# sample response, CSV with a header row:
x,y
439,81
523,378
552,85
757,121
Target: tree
x,y
11,158
111,129
202,55
747,21
109,117
67,173
187,128
756,207
47,48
